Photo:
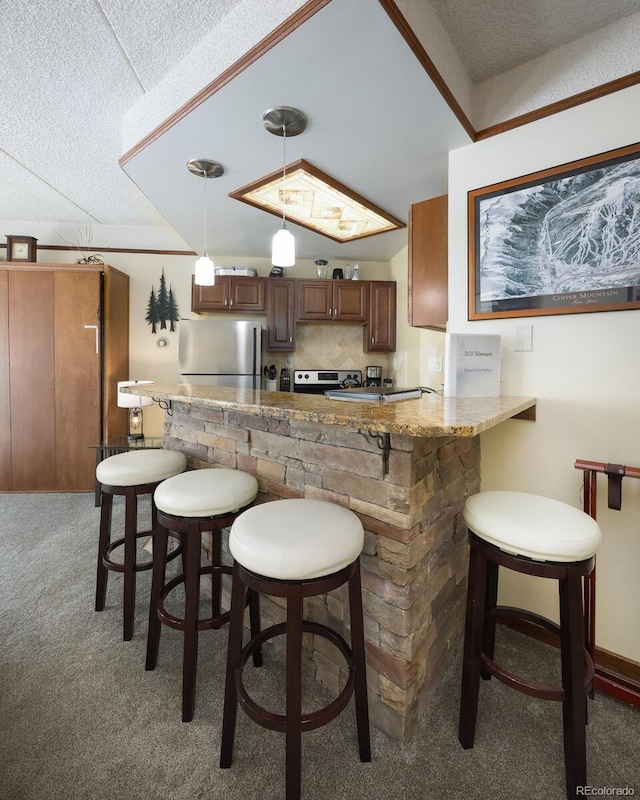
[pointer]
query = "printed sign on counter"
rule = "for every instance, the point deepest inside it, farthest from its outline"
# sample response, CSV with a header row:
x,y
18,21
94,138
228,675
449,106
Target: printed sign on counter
x,y
472,365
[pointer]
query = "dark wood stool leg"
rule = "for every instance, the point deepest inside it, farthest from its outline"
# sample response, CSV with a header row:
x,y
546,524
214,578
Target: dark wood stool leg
x,y
160,544
234,652
130,530
191,608
254,623
106,505
359,660
216,577
473,636
491,601
573,675
293,732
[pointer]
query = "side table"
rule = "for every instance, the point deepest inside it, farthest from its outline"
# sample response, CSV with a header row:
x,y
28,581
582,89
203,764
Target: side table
x,y
122,445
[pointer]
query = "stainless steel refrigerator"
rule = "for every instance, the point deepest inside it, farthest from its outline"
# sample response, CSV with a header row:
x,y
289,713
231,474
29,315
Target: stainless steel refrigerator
x,y
219,353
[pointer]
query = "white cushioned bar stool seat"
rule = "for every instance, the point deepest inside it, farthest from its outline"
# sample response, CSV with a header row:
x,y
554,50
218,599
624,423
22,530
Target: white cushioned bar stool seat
x,y
206,492
296,539
546,538
190,504
136,467
294,549
132,474
533,526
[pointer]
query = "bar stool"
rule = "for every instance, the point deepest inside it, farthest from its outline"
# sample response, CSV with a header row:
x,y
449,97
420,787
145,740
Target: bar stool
x,y
536,536
295,549
132,474
204,500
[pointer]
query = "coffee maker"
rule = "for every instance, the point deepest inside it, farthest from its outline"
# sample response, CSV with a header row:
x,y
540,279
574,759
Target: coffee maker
x,y
373,376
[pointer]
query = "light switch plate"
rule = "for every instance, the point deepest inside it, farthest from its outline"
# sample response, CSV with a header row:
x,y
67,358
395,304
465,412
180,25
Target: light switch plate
x,y
435,365
523,338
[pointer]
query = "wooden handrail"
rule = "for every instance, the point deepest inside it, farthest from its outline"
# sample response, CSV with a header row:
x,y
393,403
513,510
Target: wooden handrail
x,y
609,682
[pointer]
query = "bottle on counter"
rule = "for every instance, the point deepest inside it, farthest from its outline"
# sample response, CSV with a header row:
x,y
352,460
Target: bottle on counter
x,y
356,273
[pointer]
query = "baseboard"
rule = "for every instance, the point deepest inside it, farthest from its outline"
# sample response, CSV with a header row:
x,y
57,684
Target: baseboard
x,y
615,674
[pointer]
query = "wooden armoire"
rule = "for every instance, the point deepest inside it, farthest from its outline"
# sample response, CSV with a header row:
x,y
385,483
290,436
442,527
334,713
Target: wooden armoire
x,y
64,345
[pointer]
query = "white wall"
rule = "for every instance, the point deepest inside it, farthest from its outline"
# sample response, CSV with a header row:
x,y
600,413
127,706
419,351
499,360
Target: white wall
x,y
584,369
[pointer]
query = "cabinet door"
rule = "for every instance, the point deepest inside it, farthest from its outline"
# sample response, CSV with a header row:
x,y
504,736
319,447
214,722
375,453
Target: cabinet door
x,y
281,325
32,376
77,374
210,298
315,300
247,294
350,301
428,264
380,333
5,392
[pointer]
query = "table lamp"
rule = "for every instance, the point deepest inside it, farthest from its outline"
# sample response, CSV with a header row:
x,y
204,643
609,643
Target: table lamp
x,y
134,403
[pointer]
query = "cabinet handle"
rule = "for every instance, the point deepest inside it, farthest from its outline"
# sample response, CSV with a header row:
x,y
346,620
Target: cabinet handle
x,y
225,303
230,302
291,338
95,328
373,341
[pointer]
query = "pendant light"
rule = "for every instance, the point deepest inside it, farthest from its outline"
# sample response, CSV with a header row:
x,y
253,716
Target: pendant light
x,y
284,121
205,274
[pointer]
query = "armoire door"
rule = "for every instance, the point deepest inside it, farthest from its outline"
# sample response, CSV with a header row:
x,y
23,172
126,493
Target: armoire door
x,y
77,377
54,373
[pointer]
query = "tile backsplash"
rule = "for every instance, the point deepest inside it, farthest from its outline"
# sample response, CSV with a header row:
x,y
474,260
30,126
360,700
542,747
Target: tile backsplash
x,y
332,346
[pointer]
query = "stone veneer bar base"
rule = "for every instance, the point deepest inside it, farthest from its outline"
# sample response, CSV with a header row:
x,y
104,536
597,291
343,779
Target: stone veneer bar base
x,y
415,558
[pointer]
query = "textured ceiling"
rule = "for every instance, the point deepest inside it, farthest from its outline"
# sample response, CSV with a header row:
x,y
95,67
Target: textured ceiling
x,y
493,37
72,71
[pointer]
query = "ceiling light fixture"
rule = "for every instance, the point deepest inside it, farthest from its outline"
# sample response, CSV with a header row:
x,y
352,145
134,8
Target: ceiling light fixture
x,y
283,121
320,203
205,274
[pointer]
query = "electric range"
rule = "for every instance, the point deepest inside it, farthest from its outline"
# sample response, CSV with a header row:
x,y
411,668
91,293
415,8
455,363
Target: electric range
x,y
317,381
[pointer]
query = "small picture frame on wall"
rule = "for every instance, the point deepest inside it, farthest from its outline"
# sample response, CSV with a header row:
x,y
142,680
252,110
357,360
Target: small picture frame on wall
x,y
21,248
565,240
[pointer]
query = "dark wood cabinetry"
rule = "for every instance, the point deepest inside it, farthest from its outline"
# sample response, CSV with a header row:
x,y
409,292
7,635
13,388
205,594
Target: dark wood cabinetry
x,y
428,264
60,360
230,293
380,331
341,301
281,320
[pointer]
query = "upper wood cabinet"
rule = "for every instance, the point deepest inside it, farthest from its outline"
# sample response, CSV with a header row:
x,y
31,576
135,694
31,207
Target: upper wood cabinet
x,y
64,344
428,264
281,319
339,300
380,332
242,294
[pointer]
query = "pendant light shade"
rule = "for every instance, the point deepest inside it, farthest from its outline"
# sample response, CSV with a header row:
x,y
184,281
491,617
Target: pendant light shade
x,y
205,273
283,121
283,248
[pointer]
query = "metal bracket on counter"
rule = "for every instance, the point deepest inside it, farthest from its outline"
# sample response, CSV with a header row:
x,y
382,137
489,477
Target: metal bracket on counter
x,y
383,440
165,405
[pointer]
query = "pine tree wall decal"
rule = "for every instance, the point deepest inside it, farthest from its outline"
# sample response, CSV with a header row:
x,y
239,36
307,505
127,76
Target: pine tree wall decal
x,y
153,317
162,308
163,302
174,314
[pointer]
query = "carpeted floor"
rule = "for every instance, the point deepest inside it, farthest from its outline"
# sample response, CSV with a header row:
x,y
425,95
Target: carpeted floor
x,y
80,717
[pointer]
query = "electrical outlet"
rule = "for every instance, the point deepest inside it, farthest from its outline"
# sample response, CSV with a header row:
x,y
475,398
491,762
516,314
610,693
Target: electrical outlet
x,y
435,365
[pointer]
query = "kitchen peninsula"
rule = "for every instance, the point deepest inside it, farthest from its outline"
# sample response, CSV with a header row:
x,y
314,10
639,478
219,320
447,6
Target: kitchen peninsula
x,y
406,469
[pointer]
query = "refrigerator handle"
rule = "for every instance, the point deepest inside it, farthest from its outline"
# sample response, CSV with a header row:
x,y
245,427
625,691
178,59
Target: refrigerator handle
x,y
255,356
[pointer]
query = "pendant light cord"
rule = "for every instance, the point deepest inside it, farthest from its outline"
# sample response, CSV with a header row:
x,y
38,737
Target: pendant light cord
x,y
284,171
204,219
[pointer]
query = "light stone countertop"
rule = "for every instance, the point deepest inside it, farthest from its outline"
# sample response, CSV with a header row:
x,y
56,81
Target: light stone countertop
x,y
431,415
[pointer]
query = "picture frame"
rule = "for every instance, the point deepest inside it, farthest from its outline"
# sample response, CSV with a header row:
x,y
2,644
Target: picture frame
x,y
564,240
